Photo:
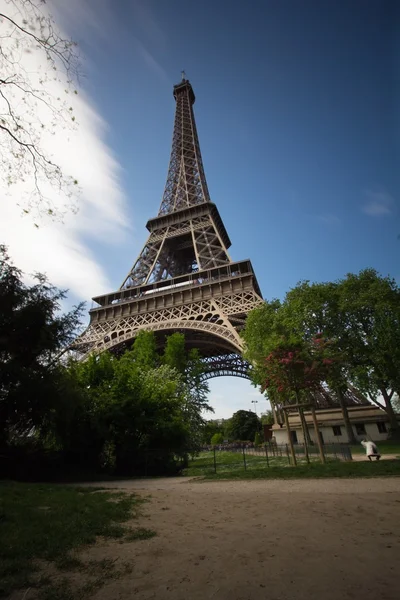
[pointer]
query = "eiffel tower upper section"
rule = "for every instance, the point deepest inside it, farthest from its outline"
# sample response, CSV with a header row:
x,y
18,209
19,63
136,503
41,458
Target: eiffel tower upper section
x,y
188,234
183,279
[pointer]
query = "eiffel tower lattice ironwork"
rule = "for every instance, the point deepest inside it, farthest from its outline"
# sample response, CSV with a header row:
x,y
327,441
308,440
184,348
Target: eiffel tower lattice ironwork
x,y
183,279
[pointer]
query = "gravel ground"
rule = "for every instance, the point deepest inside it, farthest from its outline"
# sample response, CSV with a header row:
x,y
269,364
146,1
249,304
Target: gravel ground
x,y
247,540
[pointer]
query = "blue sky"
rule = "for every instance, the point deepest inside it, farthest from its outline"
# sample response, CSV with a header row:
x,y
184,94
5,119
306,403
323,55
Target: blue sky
x,y
297,109
297,112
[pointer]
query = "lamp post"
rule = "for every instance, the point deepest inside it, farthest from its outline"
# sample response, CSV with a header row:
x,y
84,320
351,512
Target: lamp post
x,y
255,407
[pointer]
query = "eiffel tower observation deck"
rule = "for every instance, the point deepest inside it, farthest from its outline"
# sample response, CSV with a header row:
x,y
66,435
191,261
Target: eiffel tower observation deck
x,y
183,279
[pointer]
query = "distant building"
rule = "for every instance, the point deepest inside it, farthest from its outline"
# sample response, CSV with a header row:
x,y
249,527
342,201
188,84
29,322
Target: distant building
x,y
367,420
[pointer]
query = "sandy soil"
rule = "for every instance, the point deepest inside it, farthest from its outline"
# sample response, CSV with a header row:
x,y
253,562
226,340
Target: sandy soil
x,y
248,540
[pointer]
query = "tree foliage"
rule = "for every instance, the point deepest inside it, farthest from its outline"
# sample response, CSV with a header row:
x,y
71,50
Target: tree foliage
x,y
33,332
358,321
36,62
217,439
258,439
137,413
210,428
243,425
267,418
141,406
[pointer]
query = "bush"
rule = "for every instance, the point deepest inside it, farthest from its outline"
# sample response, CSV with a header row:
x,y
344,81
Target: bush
x,y
217,439
257,440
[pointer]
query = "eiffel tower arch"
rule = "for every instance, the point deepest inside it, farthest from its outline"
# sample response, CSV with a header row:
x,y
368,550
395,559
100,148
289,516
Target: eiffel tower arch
x,y
183,279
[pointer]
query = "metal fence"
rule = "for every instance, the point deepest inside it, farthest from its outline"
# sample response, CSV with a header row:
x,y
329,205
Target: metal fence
x,y
229,457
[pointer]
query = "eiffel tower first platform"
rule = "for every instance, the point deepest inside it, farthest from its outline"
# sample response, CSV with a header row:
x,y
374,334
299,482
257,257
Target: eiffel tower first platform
x,y
183,279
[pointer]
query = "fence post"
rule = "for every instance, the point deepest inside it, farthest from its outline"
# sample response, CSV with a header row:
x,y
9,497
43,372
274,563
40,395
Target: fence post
x,y
292,452
287,452
349,455
215,462
334,450
266,454
320,447
244,457
306,451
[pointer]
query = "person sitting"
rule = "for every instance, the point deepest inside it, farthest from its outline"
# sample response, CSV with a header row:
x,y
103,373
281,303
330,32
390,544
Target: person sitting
x,y
371,449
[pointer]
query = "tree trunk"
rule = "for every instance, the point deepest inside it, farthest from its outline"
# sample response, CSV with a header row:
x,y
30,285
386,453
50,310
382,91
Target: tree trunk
x,y
394,424
306,433
319,442
292,452
346,418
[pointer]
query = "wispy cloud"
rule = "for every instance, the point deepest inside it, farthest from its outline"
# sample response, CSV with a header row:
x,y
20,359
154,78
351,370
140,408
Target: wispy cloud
x,y
149,34
328,219
151,62
147,22
62,250
378,203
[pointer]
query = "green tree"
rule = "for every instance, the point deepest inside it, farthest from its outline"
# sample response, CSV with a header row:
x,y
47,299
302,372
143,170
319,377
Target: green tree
x,y
293,372
175,354
261,335
210,428
257,439
33,334
359,317
145,351
311,309
243,425
139,413
189,365
267,418
370,305
196,394
217,439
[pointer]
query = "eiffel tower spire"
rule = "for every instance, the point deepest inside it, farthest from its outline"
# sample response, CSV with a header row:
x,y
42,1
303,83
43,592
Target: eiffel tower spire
x,y
186,182
183,278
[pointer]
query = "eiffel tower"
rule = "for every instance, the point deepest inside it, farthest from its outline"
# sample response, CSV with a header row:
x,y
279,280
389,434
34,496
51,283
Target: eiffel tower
x,y
183,279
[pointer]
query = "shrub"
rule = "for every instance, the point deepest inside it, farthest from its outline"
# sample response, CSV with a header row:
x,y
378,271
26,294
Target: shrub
x,y
217,439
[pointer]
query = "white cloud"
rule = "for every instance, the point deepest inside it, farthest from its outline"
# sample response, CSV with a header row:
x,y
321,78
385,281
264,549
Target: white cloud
x,y
230,394
379,203
61,250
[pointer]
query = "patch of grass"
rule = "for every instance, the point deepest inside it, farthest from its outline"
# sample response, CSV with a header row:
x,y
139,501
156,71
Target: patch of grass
x,y
387,468
61,590
98,572
47,522
140,533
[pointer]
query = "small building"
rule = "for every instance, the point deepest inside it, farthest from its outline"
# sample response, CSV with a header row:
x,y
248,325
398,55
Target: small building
x,y
367,420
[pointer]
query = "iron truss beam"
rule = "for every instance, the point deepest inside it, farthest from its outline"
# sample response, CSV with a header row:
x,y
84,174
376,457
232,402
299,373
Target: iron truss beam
x,y
226,364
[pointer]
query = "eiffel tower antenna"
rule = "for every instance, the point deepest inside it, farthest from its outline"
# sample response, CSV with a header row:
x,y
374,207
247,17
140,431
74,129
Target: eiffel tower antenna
x,y
183,279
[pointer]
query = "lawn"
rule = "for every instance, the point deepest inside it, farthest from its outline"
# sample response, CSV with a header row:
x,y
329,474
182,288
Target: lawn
x,y
230,465
48,523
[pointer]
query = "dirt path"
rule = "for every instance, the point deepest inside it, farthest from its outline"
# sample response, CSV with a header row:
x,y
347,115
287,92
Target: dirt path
x,y
250,540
